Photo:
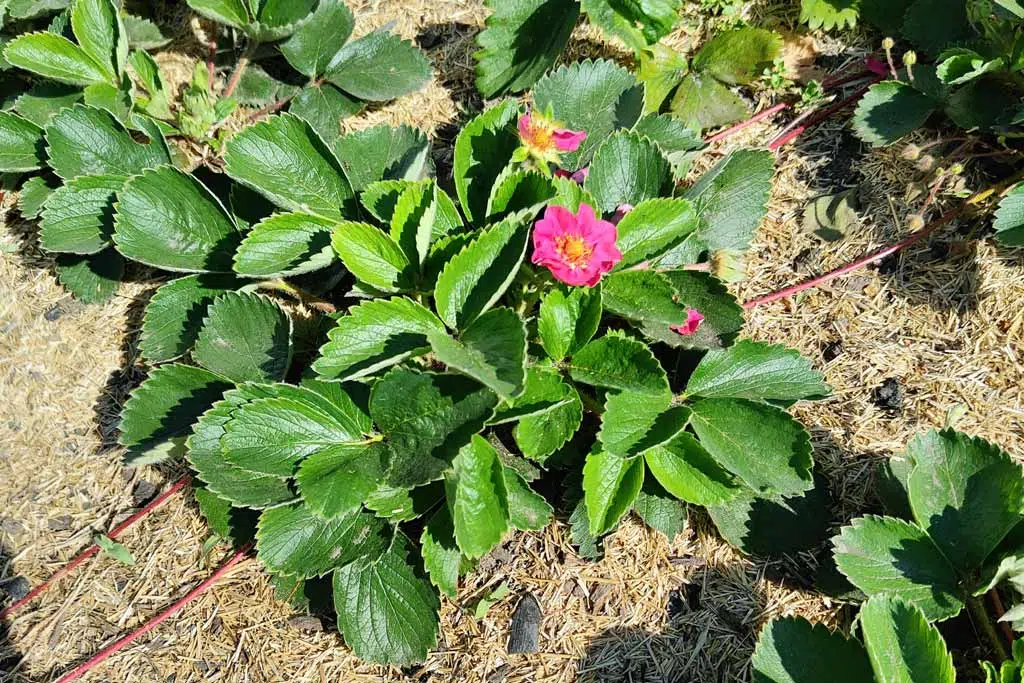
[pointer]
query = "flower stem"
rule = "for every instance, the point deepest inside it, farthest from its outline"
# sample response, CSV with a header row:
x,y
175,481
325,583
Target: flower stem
x,y
236,75
93,549
812,118
981,620
997,606
106,652
771,111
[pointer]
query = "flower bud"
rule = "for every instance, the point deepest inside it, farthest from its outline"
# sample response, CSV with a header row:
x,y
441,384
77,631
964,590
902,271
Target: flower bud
x,y
926,163
727,265
888,43
909,58
911,152
915,222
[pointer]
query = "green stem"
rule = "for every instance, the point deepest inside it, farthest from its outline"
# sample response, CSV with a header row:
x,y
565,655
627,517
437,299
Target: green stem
x,y
982,620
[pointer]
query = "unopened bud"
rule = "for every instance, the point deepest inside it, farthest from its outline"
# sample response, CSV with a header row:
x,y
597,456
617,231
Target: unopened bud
x,y
911,152
909,58
956,169
888,43
727,265
926,163
915,222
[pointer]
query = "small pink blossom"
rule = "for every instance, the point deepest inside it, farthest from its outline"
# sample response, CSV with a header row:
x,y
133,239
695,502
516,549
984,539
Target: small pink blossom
x,y
577,248
568,140
876,66
693,321
545,138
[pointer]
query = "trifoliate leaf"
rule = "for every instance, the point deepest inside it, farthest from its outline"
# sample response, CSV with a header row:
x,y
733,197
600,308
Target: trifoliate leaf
x,y
175,314
323,107
426,419
597,97
292,540
101,35
335,481
761,444
285,161
615,361
79,216
476,497
143,34
634,422
652,228
374,335
491,350
318,37
21,144
164,407
1009,221
384,153
568,319
246,338
627,169
661,70
638,24
372,256
966,493
791,650
738,56
84,140
483,149
284,245
230,12
610,485
890,110
689,473
168,219
44,99
527,509
55,57
901,643
93,278
378,67
521,40
887,555
702,102
441,555
756,370
659,510
476,277
387,611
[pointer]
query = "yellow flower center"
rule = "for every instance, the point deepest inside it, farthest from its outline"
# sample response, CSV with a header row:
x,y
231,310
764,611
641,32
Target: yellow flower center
x,y
540,134
574,250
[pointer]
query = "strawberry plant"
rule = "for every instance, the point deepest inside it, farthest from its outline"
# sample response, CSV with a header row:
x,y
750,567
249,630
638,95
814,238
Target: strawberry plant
x,y
960,502
552,319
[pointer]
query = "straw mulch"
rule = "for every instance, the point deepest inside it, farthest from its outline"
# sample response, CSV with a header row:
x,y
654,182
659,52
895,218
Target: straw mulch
x,y
945,320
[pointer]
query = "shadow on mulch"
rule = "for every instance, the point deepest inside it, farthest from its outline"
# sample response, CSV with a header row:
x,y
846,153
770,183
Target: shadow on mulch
x,y
11,588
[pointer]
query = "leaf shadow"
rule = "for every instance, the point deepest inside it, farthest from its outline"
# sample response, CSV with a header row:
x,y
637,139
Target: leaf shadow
x,y
12,587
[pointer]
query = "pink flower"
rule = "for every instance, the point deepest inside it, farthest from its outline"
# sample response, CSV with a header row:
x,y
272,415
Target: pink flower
x,y
545,138
576,176
693,321
577,248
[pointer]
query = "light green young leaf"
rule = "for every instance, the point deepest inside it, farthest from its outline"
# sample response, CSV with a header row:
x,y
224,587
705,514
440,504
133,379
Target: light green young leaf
x,y
568,319
791,650
476,497
483,149
616,361
79,216
488,601
627,169
738,56
758,371
610,485
54,57
246,338
100,33
379,67
114,549
285,244
84,140
175,314
422,213
702,102
491,350
661,70
93,278
22,147
902,645
318,37
689,473
372,256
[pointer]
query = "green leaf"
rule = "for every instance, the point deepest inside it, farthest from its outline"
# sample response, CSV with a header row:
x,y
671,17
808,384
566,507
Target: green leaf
x,y
638,24
518,190
175,314
890,110
318,37
372,256
285,244
492,598
763,445
246,338
661,70
257,88
281,14
84,140
422,214
233,524
54,57
984,103
632,422
380,198
292,540
387,612
887,555
142,33
521,40
379,67
616,361
1009,221
832,14
739,56
966,493
323,107
791,650
426,419
475,491
568,319
544,390
702,102
239,486
627,169
33,195
491,350
116,100
659,510
689,473
610,485
93,278
441,555
44,99
114,549
556,414
477,276
168,219
902,645
374,335
758,371
597,97
933,25
101,35
483,149
285,161
960,65
653,227
527,509
384,153
335,481
79,216
21,144
230,12
164,407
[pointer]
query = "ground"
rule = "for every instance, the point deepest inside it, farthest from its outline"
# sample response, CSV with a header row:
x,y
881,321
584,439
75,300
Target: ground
x,y
935,332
